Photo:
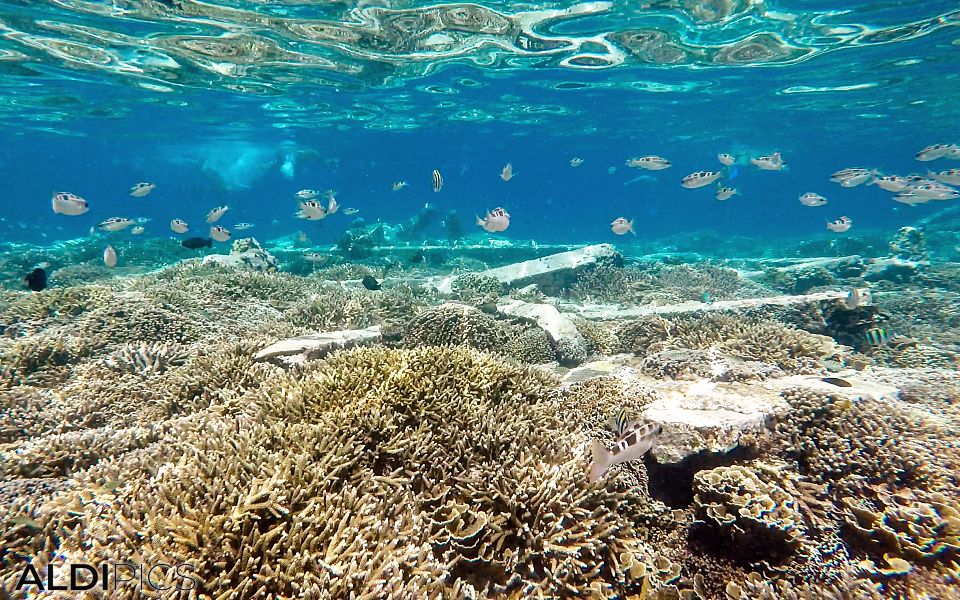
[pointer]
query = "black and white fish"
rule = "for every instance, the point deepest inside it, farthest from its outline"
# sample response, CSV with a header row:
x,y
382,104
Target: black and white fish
x,y
220,234
72,205
635,440
773,162
936,151
854,176
140,190
858,297
812,199
437,181
214,215
179,226
700,179
651,163
115,224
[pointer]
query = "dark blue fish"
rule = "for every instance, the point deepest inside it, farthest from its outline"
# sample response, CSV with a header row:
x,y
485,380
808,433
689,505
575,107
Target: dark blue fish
x,y
36,280
197,242
370,282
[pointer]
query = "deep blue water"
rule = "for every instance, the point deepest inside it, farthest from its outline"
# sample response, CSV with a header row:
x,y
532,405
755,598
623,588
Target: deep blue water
x,y
869,86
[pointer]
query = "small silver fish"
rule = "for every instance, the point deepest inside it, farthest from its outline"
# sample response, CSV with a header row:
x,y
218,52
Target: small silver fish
x,y
243,226
840,225
350,211
576,161
936,151
115,224
214,215
220,234
774,162
726,159
398,185
179,226
141,189
725,193
651,163
700,179
507,173
858,297
890,183
812,199
635,441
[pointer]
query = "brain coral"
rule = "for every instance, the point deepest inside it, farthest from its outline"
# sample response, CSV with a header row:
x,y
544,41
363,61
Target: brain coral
x,y
375,473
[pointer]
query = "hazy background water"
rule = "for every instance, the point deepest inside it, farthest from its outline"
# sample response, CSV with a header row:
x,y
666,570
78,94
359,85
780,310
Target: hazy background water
x,y
210,100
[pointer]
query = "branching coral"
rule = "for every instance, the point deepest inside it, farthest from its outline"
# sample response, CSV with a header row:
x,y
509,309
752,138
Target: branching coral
x,y
375,473
476,289
147,357
532,345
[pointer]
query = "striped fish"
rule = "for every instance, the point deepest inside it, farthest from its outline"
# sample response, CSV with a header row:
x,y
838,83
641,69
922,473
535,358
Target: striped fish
x,y
635,441
437,181
618,422
877,336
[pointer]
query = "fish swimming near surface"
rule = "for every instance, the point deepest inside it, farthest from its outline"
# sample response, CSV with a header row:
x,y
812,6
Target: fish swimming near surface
x,y
507,173
437,181
370,282
700,179
812,199
71,205
214,215
179,226
115,224
622,226
196,243
635,440
936,151
651,163
576,161
141,189
219,234
36,280
877,336
840,225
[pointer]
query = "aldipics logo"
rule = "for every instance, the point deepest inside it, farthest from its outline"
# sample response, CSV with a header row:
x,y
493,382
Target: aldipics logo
x,y
78,577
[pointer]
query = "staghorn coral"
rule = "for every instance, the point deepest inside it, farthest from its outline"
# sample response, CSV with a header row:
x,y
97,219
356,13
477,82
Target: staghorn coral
x,y
131,317
757,587
532,345
476,289
748,509
710,364
57,304
147,357
45,351
376,473
453,324
599,336
638,335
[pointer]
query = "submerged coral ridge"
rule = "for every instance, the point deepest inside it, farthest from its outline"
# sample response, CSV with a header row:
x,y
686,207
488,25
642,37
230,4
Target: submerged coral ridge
x,y
449,457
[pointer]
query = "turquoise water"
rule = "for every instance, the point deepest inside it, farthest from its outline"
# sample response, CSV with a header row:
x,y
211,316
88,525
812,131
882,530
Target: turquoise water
x,y
245,103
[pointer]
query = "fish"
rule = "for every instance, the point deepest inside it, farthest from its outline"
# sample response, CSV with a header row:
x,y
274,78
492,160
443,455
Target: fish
x,y
214,215
622,226
725,193
618,422
936,151
576,161
726,159
612,171
651,163
332,205
812,199
496,221
858,297
437,181
935,191
837,381
302,237
179,226
110,256
398,185
877,336
115,224
314,256
370,282
307,194
349,211
950,176
635,441
71,205
705,298
700,179
143,220
141,189
507,173
910,198
219,234
36,280
196,243
311,210
243,226
890,183
852,177
774,162
840,225
417,258
138,230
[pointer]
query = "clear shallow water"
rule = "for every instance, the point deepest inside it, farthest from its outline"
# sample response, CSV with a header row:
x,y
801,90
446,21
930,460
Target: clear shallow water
x,y
210,100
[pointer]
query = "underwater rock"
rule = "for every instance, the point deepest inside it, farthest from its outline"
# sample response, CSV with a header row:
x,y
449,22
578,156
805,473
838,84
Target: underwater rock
x,y
571,347
246,253
909,244
553,272
890,269
705,417
309,347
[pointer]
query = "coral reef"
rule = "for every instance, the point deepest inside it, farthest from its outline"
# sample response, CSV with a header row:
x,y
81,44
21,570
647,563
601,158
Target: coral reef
x,y
748,510
476,289
532,345
453,324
